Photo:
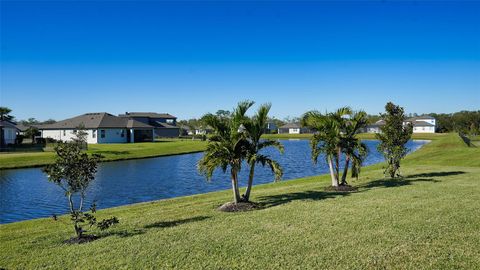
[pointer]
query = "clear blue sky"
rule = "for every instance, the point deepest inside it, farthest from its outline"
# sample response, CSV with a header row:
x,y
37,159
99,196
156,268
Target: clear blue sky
x,y
64,58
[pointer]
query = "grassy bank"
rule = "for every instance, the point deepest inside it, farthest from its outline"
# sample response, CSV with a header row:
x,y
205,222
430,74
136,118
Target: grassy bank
x,y
109,151
428,220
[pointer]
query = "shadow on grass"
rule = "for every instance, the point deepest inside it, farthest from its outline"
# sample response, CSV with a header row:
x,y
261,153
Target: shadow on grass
x,y
173,223
113,152
275,200
388,183
123,233
435,174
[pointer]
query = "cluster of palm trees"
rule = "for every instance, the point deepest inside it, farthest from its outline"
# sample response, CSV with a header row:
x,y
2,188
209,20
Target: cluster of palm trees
x,y
237,140
335,136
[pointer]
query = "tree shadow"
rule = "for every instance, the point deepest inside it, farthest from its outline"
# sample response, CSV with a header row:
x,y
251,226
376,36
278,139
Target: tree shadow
x,y
388,183
122,233
112,152
173,223
275,200
435,174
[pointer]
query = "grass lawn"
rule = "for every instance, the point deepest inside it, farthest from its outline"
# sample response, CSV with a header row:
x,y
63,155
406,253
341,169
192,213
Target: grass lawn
x,y
109,151
428,220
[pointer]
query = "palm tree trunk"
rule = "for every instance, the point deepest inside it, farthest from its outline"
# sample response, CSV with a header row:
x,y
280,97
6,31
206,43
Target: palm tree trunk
x,y
236,193
332,173
246,196
345,170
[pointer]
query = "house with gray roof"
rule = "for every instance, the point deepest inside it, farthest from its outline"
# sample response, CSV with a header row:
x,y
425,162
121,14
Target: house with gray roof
x,y
292,128
164,124
421,124
101,127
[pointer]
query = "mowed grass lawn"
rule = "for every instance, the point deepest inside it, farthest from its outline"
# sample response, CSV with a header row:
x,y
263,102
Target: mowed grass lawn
x,y
428,220
109,151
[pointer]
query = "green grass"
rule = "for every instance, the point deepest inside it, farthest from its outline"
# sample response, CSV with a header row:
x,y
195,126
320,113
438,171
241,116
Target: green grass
x,y
428,220
109,151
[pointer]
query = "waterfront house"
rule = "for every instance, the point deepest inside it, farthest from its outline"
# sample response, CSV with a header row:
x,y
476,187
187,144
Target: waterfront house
x,y
421,124
164,124
292,128
101,128
8,132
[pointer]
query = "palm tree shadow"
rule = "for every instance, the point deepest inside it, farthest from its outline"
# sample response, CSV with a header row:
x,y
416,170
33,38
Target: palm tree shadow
x,y
173,223
435,174
388,183
275,200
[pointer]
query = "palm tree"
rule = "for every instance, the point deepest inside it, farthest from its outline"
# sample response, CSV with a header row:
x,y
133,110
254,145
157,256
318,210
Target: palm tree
x,y
353,148
336,135
255,129
5,113
227,147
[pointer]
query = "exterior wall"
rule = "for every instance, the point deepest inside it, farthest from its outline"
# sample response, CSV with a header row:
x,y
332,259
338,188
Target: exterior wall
x,y
423,129
94,135
112,135
68,135
294,131
9,135
167,132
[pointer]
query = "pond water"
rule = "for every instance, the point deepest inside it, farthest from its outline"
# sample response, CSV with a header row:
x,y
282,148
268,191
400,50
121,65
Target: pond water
x,y
27,194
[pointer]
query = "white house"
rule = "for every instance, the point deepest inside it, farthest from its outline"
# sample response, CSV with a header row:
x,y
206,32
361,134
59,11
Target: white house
x,y
101,128
8,132
421,124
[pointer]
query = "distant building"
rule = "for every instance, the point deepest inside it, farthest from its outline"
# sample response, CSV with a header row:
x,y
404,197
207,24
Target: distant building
x,y
165,125
421,124
101,128
292,128
8,132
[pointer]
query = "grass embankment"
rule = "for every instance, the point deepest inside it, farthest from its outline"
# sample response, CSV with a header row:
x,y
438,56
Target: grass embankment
x,y
428,220
109,151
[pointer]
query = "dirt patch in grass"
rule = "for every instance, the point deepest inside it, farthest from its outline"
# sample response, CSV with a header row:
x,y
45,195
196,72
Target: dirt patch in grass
x,y
342,188
238,207
81,240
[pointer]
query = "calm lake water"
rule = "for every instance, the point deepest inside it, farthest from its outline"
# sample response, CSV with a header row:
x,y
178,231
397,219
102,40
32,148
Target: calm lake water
x,y
27,194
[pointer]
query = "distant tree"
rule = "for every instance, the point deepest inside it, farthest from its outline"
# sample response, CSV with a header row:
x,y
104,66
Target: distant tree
x,y
31,132
227,147
255,127
73,171
49,121
393,138
5,113
223,113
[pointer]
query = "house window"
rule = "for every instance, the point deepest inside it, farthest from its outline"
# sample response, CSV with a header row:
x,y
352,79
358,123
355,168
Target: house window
x,y
94,133
169,121
102,133
122,134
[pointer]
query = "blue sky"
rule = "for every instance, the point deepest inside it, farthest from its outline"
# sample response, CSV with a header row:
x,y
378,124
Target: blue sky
x,y
61,59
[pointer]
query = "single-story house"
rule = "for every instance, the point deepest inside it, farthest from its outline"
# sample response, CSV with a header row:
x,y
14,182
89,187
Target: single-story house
x,y
8,132
421,124
165,125
292,128
101,128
